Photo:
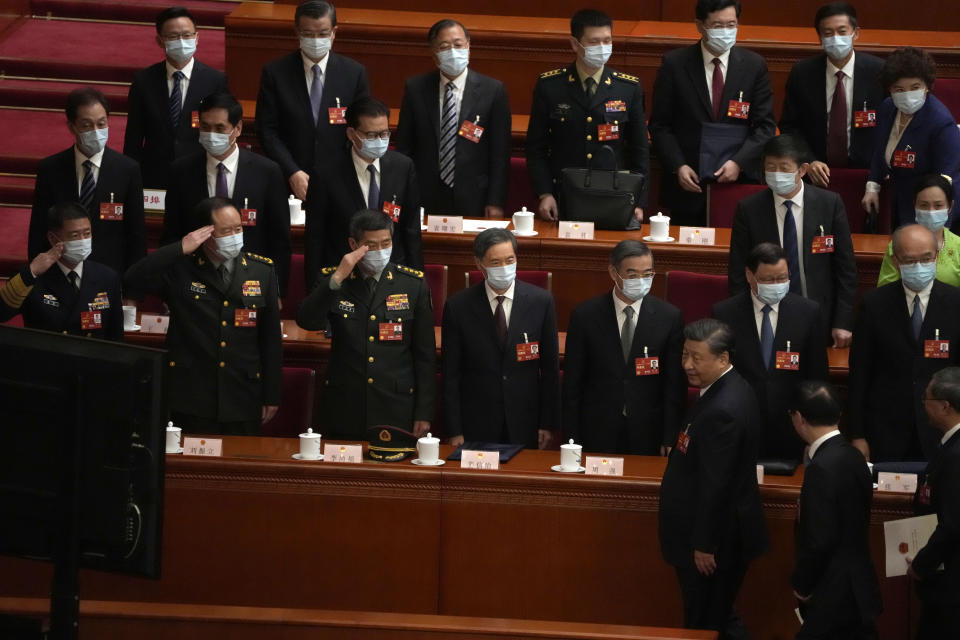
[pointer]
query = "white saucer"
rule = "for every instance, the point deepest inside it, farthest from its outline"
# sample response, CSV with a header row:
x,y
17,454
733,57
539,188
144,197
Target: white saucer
x,y
528,234
423,227
297,456
559,469
173,453
421,463
652,239
135,327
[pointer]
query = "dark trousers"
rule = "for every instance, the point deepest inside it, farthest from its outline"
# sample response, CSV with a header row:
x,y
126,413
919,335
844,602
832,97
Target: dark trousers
x,y
937,621
837,620
708,600
209,426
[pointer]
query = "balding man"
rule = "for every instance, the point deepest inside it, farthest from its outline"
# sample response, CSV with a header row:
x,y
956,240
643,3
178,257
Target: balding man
x,y
906,331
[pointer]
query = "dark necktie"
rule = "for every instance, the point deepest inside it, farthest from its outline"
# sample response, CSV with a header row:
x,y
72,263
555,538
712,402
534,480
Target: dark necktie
x,y
316,92
837,135
626,333
74,279
222,191
448,135
224,274
88,188
790,248
916,320
590,86
371,283
717,88
176,99
373,193
766,336
500,321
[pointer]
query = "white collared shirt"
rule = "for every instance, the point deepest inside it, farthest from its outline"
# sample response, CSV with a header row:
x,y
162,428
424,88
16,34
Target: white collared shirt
x,y
706,388
363,175
66,271
819,441
797,208
308,70
619,306
184,81
847,89
230,164
708,57
924,298
458,84
507,299
95,160
758,306
949,434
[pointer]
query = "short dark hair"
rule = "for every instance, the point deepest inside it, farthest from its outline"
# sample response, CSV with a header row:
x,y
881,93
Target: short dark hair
x,y
84,97
908,62
934,180
628,249
223,100
718,335
63,211
787,145
365,107
172,13
489,238
443,25
316,9
835,9
818,402
202,213
588,18
765,253
706,7
369,220
945,385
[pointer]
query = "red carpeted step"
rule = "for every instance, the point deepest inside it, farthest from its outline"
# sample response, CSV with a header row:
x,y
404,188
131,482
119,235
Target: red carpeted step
x,y
208,13
16,191
91,50
34,135
50,94
14,221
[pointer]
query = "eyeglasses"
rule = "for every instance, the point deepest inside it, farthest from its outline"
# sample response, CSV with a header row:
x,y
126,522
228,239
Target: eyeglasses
x,y
310,34
373,135
924,260
776,280
172,37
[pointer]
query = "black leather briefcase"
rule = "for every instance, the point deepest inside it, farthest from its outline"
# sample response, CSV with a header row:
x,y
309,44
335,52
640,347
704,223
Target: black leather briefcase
x,y
605,197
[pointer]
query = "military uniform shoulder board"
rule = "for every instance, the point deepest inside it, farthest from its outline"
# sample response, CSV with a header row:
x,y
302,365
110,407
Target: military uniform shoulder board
x,y
626,76
328,270
555,72
413,273
262,259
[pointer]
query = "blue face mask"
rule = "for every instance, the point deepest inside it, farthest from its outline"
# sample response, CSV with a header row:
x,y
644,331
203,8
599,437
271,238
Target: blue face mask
x,y
180,51
375,261
837,47
500,278
917,276
373,149
453,61
597,55
782,184
772,293
933,220
93,141
909,102
216,144
315,48
636,288
719,41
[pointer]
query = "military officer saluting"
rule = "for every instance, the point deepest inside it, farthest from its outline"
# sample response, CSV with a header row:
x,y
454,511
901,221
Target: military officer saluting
x,y
581,107
224,340
382,364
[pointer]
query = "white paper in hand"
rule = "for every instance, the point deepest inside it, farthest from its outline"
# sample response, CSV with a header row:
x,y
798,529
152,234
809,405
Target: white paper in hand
x,y
904,538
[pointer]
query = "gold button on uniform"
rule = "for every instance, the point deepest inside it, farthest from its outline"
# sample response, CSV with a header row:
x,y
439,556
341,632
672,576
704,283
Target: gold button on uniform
x,y
369,380
370,338
196,297
589,119
172,363
226,303
370,359
223,344
589,156
222,364
344,315
589,138
224,323
373,317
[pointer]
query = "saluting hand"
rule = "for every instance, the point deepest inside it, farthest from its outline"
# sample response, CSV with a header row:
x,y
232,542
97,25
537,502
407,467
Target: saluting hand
x,y
45,260
348,262
195,239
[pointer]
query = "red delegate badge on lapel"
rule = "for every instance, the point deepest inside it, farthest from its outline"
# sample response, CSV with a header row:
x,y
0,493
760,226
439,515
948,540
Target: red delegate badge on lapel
x,y
248,217
787,360
245,318
471,131
904,159
337,115
821,244
647,366
391,331
608,132
90,320
738,109
683,441
527,351
392,209
864,119
923,494
111,211
195,120
939,349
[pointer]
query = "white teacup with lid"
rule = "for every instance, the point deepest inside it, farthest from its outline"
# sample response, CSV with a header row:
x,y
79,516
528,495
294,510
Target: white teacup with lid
x,y
523,221
173,438
428,449
570,455
310,445
659,227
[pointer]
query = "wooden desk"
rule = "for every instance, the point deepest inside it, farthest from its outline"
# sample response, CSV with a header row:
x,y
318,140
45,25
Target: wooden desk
x,y
257,529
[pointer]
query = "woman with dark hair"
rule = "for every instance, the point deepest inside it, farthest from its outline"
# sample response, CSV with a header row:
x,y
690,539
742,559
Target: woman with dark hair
x,y
933,200
916,134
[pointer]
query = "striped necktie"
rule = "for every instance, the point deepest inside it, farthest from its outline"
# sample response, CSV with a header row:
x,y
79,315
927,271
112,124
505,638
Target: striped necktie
x,y
176,99
448,135
88,187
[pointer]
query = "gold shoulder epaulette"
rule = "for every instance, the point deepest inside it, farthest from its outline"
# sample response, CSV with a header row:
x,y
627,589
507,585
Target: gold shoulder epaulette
x,y
327,270
413,273
262,259
550,74
626,76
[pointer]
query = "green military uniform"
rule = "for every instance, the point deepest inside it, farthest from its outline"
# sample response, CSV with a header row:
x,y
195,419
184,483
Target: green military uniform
x,y
382,366
224,341
564,129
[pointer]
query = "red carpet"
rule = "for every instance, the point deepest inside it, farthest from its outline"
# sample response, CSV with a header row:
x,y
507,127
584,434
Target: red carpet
x,y
208,14
49,94
13,240
33,135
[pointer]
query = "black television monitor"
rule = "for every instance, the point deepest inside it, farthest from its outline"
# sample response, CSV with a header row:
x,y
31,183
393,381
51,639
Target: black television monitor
x,y
82,431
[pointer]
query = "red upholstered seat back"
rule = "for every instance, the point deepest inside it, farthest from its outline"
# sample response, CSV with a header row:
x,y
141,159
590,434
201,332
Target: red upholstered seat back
x,y
436,277
948,91
542,279
519,191
724,199
695,293
296,404
849,184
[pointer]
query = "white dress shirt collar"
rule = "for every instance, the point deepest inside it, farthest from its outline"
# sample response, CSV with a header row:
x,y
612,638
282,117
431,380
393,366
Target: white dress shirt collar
x,y
797,201
186,71
924,297
492,295
819,441
619,305
847,68
308,67
66,270
708,57
230,162
949,434
96,159
758,305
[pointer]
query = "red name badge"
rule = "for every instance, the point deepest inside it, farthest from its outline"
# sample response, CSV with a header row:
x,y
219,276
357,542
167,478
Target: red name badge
x,y
608,132
245,318
787,360
683,441
923,494
864,119
822,244
391,331
528,351
392,209
91,320
337,115
738,109
903,159
248,217
111,211
195,120
471,131
648,366
939,349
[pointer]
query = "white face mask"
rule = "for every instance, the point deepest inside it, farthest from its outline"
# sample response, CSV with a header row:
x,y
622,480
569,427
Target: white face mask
x,y
216,144
452,62
501,278
837,47
315,48
375,261
772,293
719,41
636,288
180,51
228,247
909,102
93,141
782,184
597,55
373,149
76,251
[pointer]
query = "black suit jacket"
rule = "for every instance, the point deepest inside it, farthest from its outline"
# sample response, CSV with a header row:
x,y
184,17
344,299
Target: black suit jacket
x,y
485,389
943,547
116,243
681,104
831,277
598,385
798,321
150,137
888,373
258,185
805,105
832,539
709,500
482,168
334,196
285,123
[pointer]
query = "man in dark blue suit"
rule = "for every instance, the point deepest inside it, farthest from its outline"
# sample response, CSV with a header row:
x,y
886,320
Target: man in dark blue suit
x,y
500,353
162,103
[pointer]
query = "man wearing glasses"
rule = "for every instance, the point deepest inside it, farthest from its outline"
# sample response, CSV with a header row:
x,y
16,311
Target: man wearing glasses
x,y
162,124
365,176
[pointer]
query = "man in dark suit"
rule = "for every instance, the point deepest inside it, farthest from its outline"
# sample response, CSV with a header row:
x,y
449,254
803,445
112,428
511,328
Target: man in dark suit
x,y
500,353
223,169
106,184
829,96
623,384
303,96
901,327
811,225
367,175
711,518
224,343
772,326
834,578
582,107
162,104
61,290
939,590
455,126
708,84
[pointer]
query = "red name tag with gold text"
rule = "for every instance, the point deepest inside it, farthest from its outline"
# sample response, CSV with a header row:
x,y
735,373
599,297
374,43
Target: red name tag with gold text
x,y
936,349
647,366
195,120
738,109
91,320
391,331
904,159
821,244
245,318
111,211
683,441
337,115
787,360
248,217
864,119
471,131
528,351
608,132
392,209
